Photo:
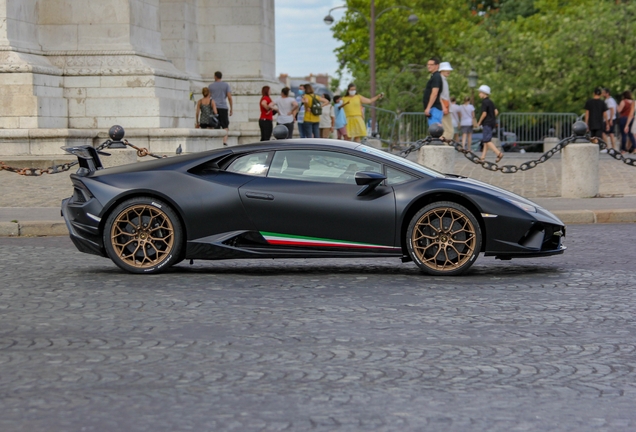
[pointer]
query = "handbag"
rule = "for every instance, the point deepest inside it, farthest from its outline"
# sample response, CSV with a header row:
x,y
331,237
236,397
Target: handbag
x,y
214,121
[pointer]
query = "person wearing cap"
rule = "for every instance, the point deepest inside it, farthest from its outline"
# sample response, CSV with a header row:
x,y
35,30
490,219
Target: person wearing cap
x,y
432,92
488,121
447,120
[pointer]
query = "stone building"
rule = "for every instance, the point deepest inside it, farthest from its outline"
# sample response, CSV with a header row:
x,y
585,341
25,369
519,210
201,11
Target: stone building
x,y
70,69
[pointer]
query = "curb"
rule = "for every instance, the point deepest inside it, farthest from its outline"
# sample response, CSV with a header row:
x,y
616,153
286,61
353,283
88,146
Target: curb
x,y
572,217
569,217
33,229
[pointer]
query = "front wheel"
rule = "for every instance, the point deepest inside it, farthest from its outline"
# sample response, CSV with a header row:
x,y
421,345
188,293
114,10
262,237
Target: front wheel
x,y
143,235
444,239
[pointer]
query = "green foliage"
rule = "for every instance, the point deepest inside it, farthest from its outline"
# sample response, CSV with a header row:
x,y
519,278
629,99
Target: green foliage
x,y
399,44
537,55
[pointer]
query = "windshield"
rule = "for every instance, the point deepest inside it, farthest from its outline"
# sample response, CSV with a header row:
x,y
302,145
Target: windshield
x,y
399,160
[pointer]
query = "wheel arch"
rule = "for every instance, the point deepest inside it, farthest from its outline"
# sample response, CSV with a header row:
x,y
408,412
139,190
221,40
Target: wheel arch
x,y
110,207
432,197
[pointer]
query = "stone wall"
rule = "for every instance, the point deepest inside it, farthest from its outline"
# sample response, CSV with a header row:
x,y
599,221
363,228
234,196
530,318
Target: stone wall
x,y
89,64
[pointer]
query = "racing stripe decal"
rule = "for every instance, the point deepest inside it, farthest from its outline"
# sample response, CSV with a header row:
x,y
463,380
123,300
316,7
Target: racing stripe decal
x,y
294,240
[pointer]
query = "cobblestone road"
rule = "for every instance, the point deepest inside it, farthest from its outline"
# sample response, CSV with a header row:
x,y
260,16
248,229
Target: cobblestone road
x,y
296,345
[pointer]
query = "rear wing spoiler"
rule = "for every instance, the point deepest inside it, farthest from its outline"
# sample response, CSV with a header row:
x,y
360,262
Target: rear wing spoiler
x,y
88,158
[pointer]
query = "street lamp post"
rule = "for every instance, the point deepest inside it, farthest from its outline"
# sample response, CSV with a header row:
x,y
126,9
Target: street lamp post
x,y
472,83
371,23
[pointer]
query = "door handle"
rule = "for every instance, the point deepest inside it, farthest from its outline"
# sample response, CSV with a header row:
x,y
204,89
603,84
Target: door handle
x,y
259,195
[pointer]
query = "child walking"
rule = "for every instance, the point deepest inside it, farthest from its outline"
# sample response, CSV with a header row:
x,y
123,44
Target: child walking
x,y
488,120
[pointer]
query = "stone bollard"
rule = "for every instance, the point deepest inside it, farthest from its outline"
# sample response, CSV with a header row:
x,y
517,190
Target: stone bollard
x,y
549,143
438,157
118,157
579,170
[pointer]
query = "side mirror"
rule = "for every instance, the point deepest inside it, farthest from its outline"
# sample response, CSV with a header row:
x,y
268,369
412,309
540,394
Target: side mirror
x,y
369,180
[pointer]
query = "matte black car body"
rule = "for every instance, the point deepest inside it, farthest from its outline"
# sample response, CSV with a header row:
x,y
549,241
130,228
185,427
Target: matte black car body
x,y
230,215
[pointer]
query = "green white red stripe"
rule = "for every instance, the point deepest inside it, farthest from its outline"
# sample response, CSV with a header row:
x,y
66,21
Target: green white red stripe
x,y
294,240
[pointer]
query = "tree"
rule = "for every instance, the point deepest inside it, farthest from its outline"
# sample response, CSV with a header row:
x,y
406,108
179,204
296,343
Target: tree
x,y
541,55
399,44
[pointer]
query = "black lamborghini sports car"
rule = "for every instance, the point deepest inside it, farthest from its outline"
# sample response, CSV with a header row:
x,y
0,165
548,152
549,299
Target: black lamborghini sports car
x,y
308,198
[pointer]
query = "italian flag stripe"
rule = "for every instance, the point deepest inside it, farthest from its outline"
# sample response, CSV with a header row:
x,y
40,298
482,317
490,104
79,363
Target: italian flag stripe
x,y
293,240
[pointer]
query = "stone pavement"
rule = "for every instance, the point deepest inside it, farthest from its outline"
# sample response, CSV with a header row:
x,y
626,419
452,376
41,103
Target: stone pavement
x,y
33,199
534,345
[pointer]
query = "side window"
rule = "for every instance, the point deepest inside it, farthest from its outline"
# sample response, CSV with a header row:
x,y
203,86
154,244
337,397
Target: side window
x,y
395,177
254,164
319,166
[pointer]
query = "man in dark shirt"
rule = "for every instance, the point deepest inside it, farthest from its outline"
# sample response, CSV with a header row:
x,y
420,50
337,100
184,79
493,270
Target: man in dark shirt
x,y
488,120
595,114
432,104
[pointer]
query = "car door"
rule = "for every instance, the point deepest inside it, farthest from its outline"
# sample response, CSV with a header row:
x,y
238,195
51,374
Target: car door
x,y
309,199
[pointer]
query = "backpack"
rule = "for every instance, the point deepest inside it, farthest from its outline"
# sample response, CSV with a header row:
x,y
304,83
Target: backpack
x,y
316,107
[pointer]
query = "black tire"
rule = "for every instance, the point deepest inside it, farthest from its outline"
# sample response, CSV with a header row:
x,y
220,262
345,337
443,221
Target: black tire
x,y
143,235
448,251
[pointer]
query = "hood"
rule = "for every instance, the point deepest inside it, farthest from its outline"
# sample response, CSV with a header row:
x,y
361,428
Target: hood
x,y
542,214
495,190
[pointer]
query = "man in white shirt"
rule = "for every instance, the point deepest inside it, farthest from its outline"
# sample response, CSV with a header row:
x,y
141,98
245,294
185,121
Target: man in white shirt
x,y
610,117
447,121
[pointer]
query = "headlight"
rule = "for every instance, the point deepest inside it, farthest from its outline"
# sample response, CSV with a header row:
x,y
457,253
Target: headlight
x,y
523,206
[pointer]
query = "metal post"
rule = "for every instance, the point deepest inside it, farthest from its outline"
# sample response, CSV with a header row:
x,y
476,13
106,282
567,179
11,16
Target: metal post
x,y
372,62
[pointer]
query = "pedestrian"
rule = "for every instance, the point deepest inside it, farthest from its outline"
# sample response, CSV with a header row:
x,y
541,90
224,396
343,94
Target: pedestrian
x,y
625,122
595,114
300,115
611,114
287,108
454,111
266,119
206,109
447,120
432,93
327,118
466,122
222,95
313,108
354,112
488,121
341,119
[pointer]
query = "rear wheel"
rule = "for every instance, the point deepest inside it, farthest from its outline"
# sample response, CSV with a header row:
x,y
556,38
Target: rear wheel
x,y
444,238
143,235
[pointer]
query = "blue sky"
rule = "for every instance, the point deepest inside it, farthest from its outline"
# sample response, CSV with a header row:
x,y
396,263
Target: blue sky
x,y
304,43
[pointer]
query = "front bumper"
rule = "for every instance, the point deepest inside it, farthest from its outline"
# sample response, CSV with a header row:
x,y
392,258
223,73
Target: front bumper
x,y
528,236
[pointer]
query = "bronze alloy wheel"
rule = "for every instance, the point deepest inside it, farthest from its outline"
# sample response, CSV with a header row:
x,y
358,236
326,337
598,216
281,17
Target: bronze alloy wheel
x,y
142,236
444,238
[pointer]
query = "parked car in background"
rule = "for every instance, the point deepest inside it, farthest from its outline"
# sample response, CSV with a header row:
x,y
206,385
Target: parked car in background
x,y
508,143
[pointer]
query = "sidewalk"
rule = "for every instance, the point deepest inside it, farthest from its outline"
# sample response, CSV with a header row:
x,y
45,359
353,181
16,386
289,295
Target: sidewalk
x,y
30,206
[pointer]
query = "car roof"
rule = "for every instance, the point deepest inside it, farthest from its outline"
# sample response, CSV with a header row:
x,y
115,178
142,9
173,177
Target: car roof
x,y
297,143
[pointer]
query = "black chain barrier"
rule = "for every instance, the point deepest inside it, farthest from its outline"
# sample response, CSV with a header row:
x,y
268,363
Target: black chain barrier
x,y
511,169
615,153
34,172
